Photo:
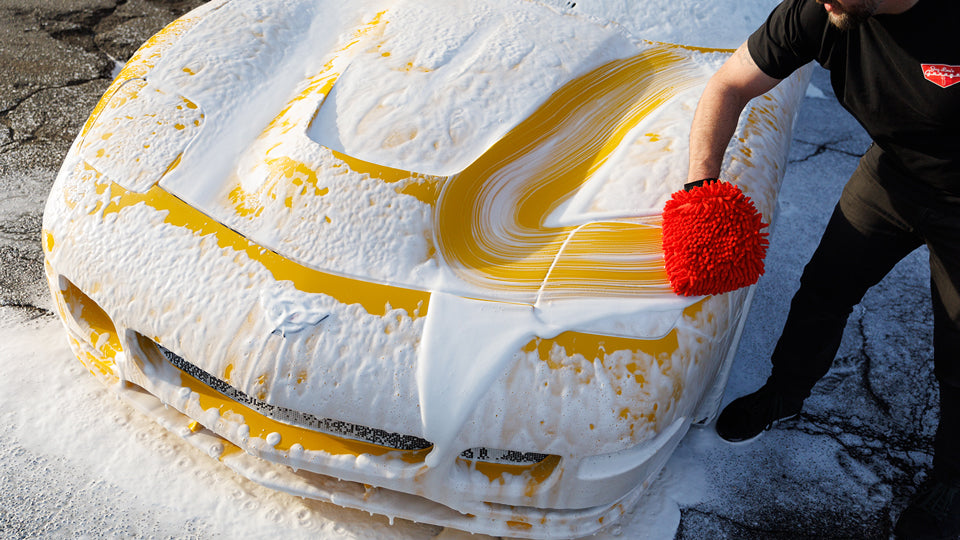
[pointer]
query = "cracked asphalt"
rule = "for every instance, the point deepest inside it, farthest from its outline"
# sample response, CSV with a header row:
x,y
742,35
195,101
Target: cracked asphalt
x,y
843,469
56,58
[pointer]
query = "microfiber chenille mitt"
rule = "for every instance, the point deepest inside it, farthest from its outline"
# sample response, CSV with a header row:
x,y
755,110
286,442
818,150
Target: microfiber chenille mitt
x,y
713,240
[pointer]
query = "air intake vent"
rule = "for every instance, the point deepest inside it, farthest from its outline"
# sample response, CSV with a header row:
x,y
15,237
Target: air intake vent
x,y
297,418
338,427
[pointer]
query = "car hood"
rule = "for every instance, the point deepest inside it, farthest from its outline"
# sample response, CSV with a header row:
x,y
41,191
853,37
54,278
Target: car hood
x,y
369,144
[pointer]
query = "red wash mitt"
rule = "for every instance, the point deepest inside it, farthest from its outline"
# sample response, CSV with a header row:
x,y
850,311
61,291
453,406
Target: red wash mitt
x,y
713,240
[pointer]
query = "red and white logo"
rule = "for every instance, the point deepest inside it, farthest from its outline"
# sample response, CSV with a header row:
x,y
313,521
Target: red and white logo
x,y
941,75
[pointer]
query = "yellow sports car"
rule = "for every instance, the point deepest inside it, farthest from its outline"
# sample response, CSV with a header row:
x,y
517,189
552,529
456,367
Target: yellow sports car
x,y
405,256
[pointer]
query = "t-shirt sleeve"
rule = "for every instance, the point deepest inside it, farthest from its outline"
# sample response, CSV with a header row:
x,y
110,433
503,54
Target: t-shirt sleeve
x,y
789,39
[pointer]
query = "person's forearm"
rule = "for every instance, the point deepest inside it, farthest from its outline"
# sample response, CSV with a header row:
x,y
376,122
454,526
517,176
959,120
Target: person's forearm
x,y
714,123
733,85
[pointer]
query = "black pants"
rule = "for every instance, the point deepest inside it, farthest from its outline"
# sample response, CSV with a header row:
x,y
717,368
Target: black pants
x,y
880,219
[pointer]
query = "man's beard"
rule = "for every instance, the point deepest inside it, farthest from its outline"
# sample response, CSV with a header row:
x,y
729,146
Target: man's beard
x,y
846,18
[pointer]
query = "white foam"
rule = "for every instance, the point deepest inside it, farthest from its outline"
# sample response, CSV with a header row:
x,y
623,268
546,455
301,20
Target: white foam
x,y
464,345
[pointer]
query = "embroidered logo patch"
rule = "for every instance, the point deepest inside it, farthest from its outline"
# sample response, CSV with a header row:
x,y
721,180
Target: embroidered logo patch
x,y
941,75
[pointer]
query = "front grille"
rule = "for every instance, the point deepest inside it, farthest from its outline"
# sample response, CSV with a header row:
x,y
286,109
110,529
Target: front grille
x,y
297,418
340,428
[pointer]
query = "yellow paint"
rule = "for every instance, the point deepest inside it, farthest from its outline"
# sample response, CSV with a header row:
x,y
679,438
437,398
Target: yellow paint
x,y
251,204
245,204
102,341
48,241
229,449
534,473
410,67
582,124
423,186
318,85
693,310
519,525
375,298
627,372
142,61
120,131
596,347
285,177
321,83
173,165
693,48
311,440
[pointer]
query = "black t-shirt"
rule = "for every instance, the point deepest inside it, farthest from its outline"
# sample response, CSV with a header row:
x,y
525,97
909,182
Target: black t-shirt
x,y
899,75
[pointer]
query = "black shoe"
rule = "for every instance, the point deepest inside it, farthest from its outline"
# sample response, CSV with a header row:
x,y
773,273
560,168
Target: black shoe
x,y
933,513
750,415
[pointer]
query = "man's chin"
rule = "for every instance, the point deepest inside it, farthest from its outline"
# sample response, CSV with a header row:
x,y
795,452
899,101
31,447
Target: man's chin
x,y
843,21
